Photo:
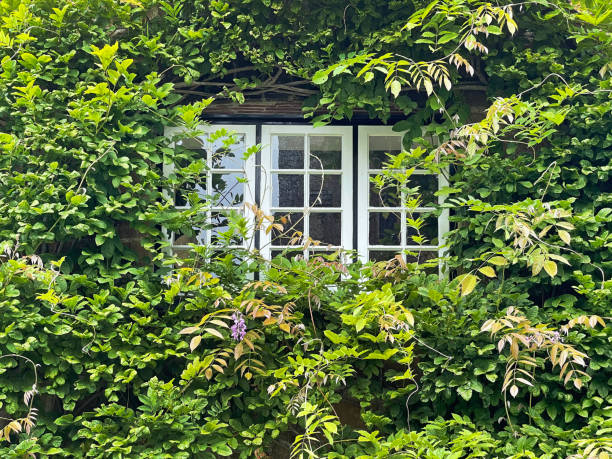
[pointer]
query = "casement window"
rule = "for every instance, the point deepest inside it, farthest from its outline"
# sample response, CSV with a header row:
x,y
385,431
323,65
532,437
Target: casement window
x,y
317,183
307,186
228,178
386,222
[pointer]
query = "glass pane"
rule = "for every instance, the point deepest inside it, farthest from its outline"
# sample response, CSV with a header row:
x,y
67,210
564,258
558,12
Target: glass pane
x,y
326,228
325,152
427,230
427,186
190,192
320,253
325,191
287,190
228,190
198,236
292,225
385,228
194,143
387,196
287,152
382,255
379,146
221,232
227,152
421,256
288,253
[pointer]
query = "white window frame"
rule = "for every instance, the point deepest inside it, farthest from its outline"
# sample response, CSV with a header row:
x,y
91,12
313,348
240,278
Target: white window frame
x,y
249,170
363,200
346,201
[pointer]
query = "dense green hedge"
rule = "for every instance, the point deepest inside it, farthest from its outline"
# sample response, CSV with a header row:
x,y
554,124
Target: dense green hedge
x,y
87,87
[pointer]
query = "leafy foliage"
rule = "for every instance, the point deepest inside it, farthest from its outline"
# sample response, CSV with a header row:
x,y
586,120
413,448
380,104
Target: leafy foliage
x,y
141,354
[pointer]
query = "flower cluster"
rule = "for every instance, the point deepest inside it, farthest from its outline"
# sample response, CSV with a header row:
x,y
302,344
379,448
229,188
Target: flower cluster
x,y
238,329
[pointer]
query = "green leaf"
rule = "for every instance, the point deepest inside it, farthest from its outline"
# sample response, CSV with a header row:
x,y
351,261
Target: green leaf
x,y
320,77
565,236
335,338
465,392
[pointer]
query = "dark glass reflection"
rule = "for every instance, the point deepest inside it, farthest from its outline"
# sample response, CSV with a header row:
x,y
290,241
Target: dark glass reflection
x,y
288,152
182,196
381,255
388,196
379,146
325,190
428,229
427,186
287,190
292,223
385,228
326,227
325,152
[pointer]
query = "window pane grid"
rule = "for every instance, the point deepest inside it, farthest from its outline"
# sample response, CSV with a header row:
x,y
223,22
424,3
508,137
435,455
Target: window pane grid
x,y
384,210
322,158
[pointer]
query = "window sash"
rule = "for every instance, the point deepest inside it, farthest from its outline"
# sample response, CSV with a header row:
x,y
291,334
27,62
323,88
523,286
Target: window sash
x,y
248,171
364,209
345,209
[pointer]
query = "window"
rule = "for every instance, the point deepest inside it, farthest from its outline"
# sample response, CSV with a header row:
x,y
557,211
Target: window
x,y
307,186
382,212
304,180
228,178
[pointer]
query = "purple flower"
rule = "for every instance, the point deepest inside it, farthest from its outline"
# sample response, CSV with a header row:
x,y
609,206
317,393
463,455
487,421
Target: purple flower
x,y
238,329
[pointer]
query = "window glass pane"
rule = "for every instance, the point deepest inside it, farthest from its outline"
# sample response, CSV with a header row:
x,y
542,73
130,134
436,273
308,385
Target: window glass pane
x,y
182,196
287,190
288,253
325,190
427,228
388,196
320,252
287,152
379,146
382,255
325,152
421,256
428,185
194,143
227,152
198,236
292,224
385,228
227,189
221,232
326,227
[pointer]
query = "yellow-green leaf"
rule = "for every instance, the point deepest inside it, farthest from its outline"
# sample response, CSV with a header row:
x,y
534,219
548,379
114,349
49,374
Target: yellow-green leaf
x,y
498,261
565,236
487,271
550,267
396,87
467,284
